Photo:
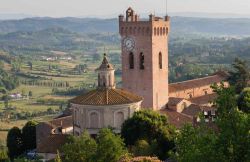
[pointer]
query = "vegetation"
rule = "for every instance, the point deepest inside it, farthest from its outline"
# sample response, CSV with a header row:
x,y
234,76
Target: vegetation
x,y
14,143
107,147
229,143
29,135
151,127
244,101
240,75
20,141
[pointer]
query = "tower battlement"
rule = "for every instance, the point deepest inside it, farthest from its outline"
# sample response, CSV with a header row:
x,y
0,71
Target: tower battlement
x,y
131,24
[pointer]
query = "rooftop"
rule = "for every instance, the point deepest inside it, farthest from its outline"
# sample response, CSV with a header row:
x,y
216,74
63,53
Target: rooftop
x,y
195,83
107,97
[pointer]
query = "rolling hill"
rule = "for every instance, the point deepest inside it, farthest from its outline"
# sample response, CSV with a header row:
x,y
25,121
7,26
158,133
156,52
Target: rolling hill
x,y
181,25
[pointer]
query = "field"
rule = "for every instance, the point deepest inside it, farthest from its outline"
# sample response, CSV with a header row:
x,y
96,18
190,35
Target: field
x,y
38,84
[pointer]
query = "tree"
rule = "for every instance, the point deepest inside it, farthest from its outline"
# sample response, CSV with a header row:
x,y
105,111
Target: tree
x,y
29,135
30,94
152,127
58,157
229,143
14,142
142,148
110,146
79,149
3,155
233,137
244,101
240,75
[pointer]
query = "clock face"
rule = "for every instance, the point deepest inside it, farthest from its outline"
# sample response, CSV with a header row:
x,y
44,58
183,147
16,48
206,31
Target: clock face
x,y
128,43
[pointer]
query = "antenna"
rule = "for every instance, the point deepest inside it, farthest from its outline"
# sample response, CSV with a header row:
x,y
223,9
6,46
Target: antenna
x,y
166,7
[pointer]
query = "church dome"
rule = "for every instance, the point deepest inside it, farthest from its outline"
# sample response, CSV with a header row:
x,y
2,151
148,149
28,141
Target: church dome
x,y
103,97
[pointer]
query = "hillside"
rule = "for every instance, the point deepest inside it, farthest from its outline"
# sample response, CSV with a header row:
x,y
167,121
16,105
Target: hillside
x,y
179,25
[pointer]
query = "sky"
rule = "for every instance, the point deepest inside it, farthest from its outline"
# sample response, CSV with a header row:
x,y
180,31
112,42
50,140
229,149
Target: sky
x,y
109,8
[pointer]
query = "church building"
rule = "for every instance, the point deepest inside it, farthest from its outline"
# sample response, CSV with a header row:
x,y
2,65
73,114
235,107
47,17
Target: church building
x,y
106,106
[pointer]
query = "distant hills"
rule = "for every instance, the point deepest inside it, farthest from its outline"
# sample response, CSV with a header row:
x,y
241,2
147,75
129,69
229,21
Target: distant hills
x,y
180,25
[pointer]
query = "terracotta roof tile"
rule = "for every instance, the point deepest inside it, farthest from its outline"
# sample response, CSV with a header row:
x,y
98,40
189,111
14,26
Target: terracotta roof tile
x,y
190,84
63,122
106,97
202,100
194,109
52,143
177,119
173,101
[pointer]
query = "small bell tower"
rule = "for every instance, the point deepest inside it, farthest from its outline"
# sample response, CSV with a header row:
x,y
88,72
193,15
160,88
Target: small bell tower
x,y
106,74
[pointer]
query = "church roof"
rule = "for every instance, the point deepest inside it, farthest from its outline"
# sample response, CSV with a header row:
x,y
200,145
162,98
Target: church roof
x,y
105,64
195,83
101,97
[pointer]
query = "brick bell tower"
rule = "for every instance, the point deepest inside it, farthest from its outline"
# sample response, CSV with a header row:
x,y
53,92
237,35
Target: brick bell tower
x,y
145,57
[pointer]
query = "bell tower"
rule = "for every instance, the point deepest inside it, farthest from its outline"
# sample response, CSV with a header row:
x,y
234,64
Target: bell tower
x,y
144,47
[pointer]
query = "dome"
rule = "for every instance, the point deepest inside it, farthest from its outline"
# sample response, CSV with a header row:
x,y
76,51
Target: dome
x,y
105,96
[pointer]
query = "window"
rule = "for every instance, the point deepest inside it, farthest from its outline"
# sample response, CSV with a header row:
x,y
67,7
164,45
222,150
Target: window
x,y
141,61
131,60
190,96
119,119
160,60
99,80
94,120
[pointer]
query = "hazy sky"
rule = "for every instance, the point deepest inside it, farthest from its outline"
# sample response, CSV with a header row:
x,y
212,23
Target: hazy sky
x,y
60,8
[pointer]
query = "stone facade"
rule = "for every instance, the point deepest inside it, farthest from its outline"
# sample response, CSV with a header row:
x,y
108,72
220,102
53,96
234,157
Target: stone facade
x,y
148,77
92,118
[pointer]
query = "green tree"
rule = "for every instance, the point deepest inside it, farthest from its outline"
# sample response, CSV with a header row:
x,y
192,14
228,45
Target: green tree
x,y
3,155
14,142
233,137
110,146
240,75
152,127
142,148
29,135
244,101
79,149
58,157
229,143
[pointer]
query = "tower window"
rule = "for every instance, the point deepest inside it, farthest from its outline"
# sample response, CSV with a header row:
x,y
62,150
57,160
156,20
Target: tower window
x,y
160,60
141,60
158,31
154,31
161,31
164,31
131,60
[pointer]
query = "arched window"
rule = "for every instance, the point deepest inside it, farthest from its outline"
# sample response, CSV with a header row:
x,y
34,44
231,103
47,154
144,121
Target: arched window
x,y
160,60
119,119
155,30
158,31
164,31
94,120
99,80
131,60
161,31
142,60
